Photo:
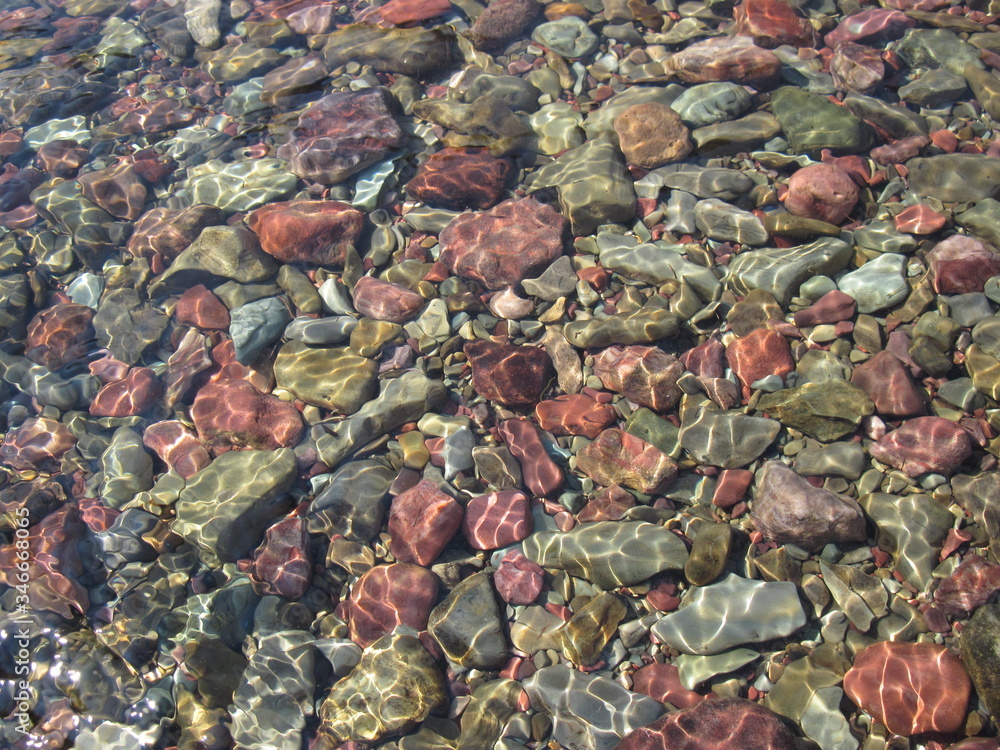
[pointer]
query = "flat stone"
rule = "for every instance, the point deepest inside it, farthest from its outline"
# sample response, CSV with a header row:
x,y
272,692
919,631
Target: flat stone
x,y
924,445
771,24
961,264
727,439
511,375
708,103
590,629
645,375
652,134
408,51
825,411
574,414
256,325
709,553
460,178
616,457
846,460
218,254
568,37
911,529
812,123
387,596
722,221
307,231
979,653
335,379
878,284
781,271
518,580
736,59
937,48
467,626
760,353
499,24
970,587
497,519
889,385
238,185
233,414
352,502
954,178
422,520
541,475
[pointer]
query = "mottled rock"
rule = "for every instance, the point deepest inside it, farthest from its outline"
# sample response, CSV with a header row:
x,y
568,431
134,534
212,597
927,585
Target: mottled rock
x,y
500,22
661,682
645,375
772,23
979,650
962,264
574,414
387,596
812,123
760,353
422,520
736,59
384,300
133,394
723,221
652,134
508,374
826,411
118,190
234,415
971,586
307,231
616,457
60,335
460,178
282,565
467,626
200,308
218,254
780,271
411,51
256,325
957,178
542,476
336,379
497,519
889,385
518,580
821,191
351,504
168,231
924,444
177,446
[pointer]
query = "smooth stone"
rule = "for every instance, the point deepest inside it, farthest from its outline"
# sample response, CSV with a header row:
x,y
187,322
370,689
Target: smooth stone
x,y
218,253
937,48
352,503
652,134
772,23
237,186
497,520
812,123
969,587
724,222
981,220
709,553
497,25
126,467
467,625
736,136
508,374
954,178
655,263
822,191
128,325
846,460
557,128
519,94
726,439
709,103
890,386
557,280
898,122
760,354
256,325
736,59
645,375
461,178
585,635
335,379
933,88
616,457
600,121
422,521
569,37
641,327
781,271
979,648
910,528
321,331
924,445
704,182
485,718
882,237
307,231
878,284
408,51
825,411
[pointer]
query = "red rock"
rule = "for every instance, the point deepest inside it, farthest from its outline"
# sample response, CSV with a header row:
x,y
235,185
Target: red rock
x,y
617,457
873,25
651,134
856,67
900,151
154,117
920,219
508,374
513,241
917,5
38,443
724,724
383,300
912,688
60,335
731,487
890,386
706,360
760,353
832,307
821,191
399,12
725,58
61,158
772,23
200,308
387,596
643,374
460,178
497,520
131,395
574,414
969,587
962,264
610,504
422,520
341,134
118,190
305,17
223,355
662,682
307,231
542,476
177,446
282,565
500,22
10,143
233,415
924,444
518,580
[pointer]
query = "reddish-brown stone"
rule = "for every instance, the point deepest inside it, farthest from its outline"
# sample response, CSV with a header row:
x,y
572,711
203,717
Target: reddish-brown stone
x,y
772,23
731,487
282,565
131,395
574,414
706,360
832,307
760,353
962,264
901,151
200,308
651,134
821,191
873,25
920,219
166,232
889,385
542,476
725,58
501,21
307,231
60,335
38,443
911,688
502,246
398,12
724,724
422,520
662,682
387,596
497,520
856,67
177,446
118,190
643,374
923,445
617,457
610,504
384,300
508,374
302,16
460,178
518,580
969,587
233,415
61,158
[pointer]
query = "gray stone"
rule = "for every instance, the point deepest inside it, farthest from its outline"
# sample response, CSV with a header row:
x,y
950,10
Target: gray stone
x,y
709,103
467,626
569,37
882,237
558,280
727,439
955,178
352,504
655,263
846,460
982,220
321,331
937,48
257,325
694,670
704,182
912,529
878,284
219,253
725,222
126,467
641,327
237,186
128,325
780,271
933,88
813,123
516,93
679,217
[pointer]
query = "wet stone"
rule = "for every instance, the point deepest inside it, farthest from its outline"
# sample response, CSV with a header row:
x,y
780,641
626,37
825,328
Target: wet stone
x,y
956,178
497,519
971,586
780,271
60,335
467,626
652,134
168,231
569,37
219,253
961,264
589,630
384,300
616,457
387,596
911,529
511,375
978,648
890,386
500,22
760,353
127,325
460,178
709,103
133,394
240,185
645,375
233,414
736,59
307,231
574,414
709,553
924,444
518,580
825,411
822,191
771,24
726,439
256,325
118,190
811,123
422,520
351,504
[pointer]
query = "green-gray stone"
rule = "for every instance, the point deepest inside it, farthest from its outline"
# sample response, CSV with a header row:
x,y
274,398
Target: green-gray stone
x,y
780,271
127,468
813,123
658,432
218,253
980,652
825,411
467,626
954,178
898,122
937,48
727,439
641,327
982,220
910,528
335,379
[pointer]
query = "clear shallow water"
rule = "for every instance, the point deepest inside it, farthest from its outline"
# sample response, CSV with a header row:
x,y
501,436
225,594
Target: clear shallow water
x,y
433,376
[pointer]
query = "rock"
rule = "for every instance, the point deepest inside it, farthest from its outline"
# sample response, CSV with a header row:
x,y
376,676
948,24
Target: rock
x,y
282,565
589,630
725,723
168,231
970,587
655,263
542,476
383,300
736,59
961,264
460,178
574,414
411,51
933,88
760,353
422,520
771,23
224,508
652,134
60,335
496,520
616,457
133,394
386,596
890,386
467,626
937,48
127,468
568,37
500,22
857,68
508,374
307,231
924,445
910,687
403,686
780,271
234,415
719,220
177,446
515,240
821,191
352,503
589,711
218,254
847,460
608,553
709,103
742,611
726,439
128,325
256,325
238,185
661,682
954,178
912,529
872,24
492,706
878,284
518,580
709,553
118,190
812,123
979,654
788,509
200,308
826,411
518,93
335,379
645,375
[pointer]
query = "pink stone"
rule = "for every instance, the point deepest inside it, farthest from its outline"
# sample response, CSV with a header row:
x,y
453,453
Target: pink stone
x,y
234,415
118,190
923,445
724,724
610,504
513,241
189,359
574,414
900,151
200,308
501,21
131,395
399,12
821,191
920,219
772,23
832,307
651,134
541,474
724,58
731,487
154,117
663,683
38,443
617,457
706,360
387,596
760,353
969,587
384,300
890,386
643,374
497,520
856,67
60,335
873,24
917,5
304,17
282,565
307,231
518,580
962,264
460,178
508,374
166,232
422,520
911,688
177,446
